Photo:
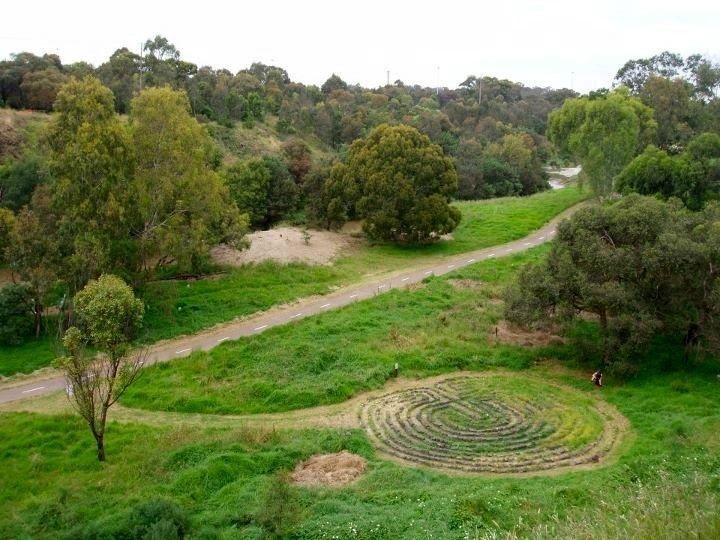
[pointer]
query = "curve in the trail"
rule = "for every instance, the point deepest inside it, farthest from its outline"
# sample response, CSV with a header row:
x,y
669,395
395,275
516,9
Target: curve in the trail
x,y
184,346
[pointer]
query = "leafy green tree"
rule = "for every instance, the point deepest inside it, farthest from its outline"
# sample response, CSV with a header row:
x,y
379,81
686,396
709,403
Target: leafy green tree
x,y
248,183
19,178
403,184
468,163
298,156
688,301
182,206
520,153
670,101
333,83
33,253
7,221
595,266
254,109
16,318
656,172
603,133
330,198
282,198
21,65
40,88
499,179
92,164
635,73
121,74
705,147
693,176
619,262
108,316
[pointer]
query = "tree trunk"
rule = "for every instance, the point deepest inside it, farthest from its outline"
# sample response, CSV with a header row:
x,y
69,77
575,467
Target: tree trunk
x,y
691,338
100,447
604,334
37,311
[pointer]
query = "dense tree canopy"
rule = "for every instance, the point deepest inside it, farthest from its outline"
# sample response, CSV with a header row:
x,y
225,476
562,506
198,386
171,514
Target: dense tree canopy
x,y
399,183
692,176
604,133
620,263
182,206
92,163
337,113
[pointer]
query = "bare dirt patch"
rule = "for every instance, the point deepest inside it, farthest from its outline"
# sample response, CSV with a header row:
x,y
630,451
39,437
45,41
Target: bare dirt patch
x,y
6,276
332,470
504,332
287,244
466,283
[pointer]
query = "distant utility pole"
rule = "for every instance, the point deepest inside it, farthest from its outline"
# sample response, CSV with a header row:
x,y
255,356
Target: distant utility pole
x,y
388,77
438,81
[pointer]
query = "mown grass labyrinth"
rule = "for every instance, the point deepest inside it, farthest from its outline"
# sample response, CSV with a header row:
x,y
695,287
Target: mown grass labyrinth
x,y
499,423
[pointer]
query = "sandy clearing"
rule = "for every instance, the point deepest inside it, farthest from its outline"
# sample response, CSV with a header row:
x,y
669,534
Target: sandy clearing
x,y
286,245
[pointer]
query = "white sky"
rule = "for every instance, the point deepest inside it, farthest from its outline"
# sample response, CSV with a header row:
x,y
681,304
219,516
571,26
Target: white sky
x,y
443,41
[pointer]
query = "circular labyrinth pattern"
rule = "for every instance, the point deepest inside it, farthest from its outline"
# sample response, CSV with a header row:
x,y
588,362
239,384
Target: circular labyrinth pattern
x,y
493,424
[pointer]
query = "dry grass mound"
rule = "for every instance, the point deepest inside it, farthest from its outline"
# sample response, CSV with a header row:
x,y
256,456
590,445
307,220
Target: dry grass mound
x,y
330,470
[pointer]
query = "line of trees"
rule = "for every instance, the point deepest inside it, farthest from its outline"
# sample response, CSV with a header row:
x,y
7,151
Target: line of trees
x,y
127,198
335,113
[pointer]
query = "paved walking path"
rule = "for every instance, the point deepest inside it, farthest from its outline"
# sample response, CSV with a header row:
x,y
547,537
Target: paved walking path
x,y
206,340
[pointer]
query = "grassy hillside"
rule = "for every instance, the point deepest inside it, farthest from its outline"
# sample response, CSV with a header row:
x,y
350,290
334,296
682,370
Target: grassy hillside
x,y
175,308
240,142
19,129
214,477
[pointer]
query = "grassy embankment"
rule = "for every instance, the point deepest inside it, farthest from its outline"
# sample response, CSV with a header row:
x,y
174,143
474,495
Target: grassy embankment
x,y
176,308
665,485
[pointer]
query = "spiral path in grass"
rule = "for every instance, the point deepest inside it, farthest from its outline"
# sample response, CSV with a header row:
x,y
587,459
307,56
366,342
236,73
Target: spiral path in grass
x,y
497,423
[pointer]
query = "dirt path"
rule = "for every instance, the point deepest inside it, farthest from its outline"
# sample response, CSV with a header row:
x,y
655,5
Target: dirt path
x,y
350,415
52,381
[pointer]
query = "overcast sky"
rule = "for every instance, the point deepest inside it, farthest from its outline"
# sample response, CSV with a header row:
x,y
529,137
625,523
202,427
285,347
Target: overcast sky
x,y
550,43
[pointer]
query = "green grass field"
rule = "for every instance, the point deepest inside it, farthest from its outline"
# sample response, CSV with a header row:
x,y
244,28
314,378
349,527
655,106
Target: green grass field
x,y
175,308
217,482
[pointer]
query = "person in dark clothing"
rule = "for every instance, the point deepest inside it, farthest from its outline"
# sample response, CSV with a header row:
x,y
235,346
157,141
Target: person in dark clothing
x,y
597,378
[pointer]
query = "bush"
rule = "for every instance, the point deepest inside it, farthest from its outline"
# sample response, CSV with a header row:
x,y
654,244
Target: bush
x,y
16,318
400,183
154,519
7,220
279,511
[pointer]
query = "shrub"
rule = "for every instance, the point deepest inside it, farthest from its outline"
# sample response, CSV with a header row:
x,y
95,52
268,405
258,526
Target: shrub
x,y
400,183
16,317
279,511
154,519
